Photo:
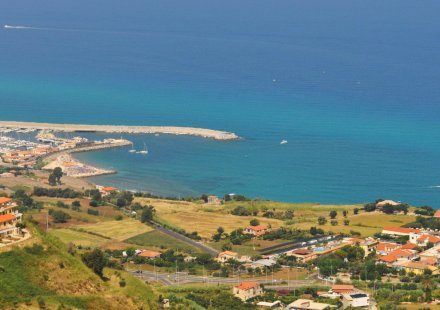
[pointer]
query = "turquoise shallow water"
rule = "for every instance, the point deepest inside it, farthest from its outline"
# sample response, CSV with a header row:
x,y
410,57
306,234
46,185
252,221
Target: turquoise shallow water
x,y
352,86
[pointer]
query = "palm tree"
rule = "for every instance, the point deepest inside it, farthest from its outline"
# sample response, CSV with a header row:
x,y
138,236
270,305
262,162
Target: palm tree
x,y
427,285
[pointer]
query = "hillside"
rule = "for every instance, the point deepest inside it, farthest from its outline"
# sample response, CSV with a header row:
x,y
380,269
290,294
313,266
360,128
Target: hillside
x,y
46,274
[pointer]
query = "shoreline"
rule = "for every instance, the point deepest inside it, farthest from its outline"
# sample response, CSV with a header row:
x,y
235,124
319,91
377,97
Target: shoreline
x,y
59,159
172,130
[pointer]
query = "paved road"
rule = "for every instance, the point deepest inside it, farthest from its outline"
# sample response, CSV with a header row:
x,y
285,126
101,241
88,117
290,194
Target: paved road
x,y
187,240
172,279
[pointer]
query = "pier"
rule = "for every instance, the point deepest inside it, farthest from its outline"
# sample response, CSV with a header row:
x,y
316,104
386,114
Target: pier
x,y
200,132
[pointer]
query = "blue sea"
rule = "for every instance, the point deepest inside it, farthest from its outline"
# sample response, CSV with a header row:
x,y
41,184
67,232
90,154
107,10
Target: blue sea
x,y
354,86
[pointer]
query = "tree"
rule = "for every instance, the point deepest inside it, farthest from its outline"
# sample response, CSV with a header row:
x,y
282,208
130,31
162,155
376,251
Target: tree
x,y
346,222
59,216
322,220
334,222
58,173
227,247
333,214
52,180
289,214
344,213
95,260
147,214
355,211
204,197
254,222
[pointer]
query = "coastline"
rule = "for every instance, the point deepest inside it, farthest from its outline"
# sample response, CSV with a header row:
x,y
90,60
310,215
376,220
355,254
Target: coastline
x,y
77,169
172,130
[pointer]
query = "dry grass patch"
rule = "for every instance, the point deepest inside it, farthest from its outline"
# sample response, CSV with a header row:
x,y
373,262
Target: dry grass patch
x,y
78,238
201,218
117,230
366,223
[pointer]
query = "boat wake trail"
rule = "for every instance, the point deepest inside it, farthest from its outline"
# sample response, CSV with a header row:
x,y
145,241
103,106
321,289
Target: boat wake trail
x,y
18,27
435,186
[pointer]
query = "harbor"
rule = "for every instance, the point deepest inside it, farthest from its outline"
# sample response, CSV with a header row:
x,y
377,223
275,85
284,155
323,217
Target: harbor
x,y
171,130
51,151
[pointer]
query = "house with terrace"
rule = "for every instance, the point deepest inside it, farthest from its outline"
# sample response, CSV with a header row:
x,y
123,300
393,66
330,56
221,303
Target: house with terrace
x,y
9,218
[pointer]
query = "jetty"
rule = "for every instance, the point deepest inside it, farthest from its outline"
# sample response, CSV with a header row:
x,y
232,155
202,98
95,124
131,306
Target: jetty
x,y
200,132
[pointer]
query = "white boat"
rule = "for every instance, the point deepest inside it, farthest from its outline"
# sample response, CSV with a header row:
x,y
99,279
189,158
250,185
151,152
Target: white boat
x,y
132,149
144,151
283,142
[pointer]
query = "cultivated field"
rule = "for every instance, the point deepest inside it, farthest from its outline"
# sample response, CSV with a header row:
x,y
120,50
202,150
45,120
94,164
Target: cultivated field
x,y
117,230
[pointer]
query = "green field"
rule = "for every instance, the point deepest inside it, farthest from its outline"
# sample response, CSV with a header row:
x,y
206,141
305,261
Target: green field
x,y
79,238
158,240
117,230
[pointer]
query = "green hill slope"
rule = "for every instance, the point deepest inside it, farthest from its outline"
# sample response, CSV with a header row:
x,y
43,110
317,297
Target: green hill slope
x,y
46,274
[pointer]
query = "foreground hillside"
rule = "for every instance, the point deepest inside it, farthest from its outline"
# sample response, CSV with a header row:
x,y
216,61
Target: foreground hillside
x,y
45,275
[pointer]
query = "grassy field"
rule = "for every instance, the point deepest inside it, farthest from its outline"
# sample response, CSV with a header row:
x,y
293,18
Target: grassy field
x,y
159,241
67,235
204,219
365,223
117,230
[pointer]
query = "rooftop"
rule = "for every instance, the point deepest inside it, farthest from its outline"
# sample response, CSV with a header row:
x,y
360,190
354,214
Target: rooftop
x,y
257,228
150,254
4,200
247,285
403,230
6,218
229,253
307,304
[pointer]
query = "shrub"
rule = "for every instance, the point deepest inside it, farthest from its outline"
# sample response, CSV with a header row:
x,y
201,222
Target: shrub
x,y
92,212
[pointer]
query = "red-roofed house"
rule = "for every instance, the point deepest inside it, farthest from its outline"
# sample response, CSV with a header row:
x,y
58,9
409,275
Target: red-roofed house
x,y
437,213
429,260
399,231
423,240
302,255
9,217
223,257
107,190
409,246
247,290
4,201
342,288
388,259
256,230
150,254
404,254
386,247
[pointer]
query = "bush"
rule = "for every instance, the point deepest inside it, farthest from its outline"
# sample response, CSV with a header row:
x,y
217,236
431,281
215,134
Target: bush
x,y
59,216
95,260
254,222
241,211
92,212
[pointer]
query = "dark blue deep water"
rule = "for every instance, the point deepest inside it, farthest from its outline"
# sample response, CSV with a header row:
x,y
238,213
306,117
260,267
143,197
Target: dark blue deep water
x,y
354,86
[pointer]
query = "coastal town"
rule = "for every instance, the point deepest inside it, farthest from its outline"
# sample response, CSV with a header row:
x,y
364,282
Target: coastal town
x,y
232,252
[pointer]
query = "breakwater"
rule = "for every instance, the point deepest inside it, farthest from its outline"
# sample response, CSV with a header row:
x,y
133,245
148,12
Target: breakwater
x,y
200,132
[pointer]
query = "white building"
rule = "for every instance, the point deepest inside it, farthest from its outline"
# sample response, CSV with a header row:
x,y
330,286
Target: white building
x,y
356,300
307,304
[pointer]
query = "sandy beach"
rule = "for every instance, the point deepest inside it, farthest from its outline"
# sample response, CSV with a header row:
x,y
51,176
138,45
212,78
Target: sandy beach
x,y
200,132
74,168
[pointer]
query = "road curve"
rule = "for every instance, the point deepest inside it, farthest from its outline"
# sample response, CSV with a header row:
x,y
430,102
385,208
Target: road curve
x,y
187,240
